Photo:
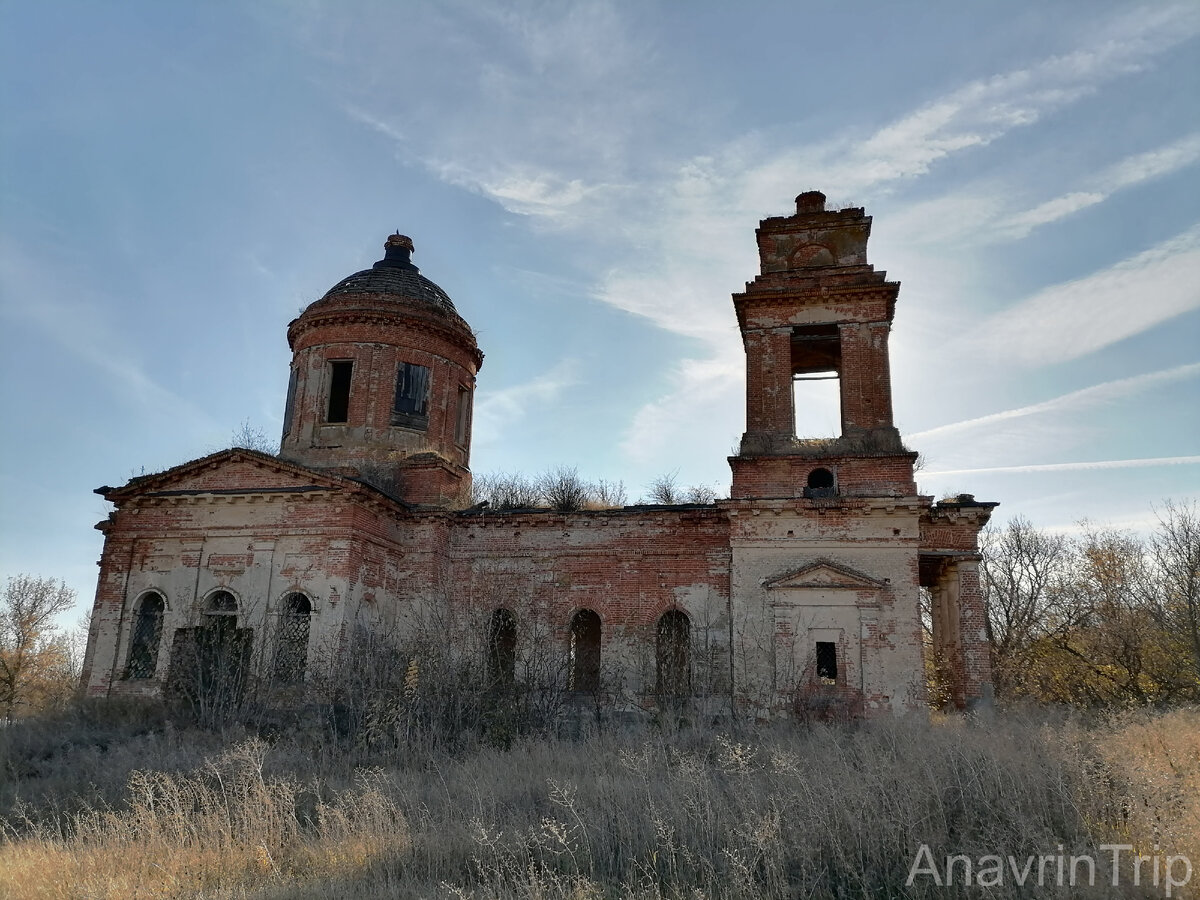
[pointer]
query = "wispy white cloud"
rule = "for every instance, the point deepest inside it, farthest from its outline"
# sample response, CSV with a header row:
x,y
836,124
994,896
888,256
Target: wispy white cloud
x,y
496,410
1071,466
1100,309
72,318
551,128
686,420
523,190
1131,171
990,210
1075,400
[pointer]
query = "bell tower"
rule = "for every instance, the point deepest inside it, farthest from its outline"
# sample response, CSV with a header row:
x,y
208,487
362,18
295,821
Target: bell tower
x,y
383,382
818,310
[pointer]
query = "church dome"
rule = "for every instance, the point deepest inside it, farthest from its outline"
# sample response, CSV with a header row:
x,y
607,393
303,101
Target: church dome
x,y
395,274
394,278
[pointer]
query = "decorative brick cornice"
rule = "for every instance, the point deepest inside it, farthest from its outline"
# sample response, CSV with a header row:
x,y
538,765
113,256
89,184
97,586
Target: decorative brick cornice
x,y
410,319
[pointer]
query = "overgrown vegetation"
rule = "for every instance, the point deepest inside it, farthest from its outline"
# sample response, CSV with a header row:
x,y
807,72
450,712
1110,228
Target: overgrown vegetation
x,y
38,664
564,490
1103,619
125,806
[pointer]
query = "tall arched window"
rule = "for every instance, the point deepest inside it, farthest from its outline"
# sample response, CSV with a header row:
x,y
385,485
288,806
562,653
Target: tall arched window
x,y
673,654
223,653
583,673
147,634
291,648
502,647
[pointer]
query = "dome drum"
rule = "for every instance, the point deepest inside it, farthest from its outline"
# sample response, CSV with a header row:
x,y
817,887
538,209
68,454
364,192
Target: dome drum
x,y
382,383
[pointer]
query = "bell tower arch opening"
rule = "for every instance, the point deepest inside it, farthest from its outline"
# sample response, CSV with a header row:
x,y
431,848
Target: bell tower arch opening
x,y
816,353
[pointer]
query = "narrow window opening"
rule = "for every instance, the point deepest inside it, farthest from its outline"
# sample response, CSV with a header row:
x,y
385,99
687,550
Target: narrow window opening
x,y
147,635
583,673
502,648
673,654
411,406
291,650
827,662
464,413
816,381
289,405
339,391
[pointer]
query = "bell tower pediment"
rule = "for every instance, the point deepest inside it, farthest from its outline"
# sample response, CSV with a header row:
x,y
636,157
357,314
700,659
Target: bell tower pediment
x,y
825,574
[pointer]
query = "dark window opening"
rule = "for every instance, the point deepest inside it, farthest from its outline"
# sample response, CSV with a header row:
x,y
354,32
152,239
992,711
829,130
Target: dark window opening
x,y
147,635
210,663
583,673
288,411
502,647
673,652
827,665
464,414
820,484
291,650
339,391
411,407
816,370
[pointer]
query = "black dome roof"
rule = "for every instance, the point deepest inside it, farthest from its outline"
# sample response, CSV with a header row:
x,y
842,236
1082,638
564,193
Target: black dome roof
x,y
395,274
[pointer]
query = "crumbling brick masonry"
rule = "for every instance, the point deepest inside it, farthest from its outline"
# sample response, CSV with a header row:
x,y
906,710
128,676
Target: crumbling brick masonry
x,y
798,594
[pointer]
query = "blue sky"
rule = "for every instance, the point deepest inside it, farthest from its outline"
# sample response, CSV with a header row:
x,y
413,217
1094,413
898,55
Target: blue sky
x,y
178,179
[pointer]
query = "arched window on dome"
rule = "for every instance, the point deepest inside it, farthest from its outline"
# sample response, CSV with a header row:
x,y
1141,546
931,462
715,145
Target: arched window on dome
x,y
289,412
410,409
341,372
147,635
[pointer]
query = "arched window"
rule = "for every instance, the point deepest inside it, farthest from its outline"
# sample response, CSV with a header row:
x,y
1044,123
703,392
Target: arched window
x,y
820,478
222,603
502,647
223,653
147,634
673,654
220,618
291,648
583,673
821,483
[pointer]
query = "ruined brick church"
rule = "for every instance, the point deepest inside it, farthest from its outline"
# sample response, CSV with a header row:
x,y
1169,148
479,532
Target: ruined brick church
x,y
800,591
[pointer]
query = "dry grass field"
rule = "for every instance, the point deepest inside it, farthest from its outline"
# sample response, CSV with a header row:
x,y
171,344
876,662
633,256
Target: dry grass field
x,y
118,803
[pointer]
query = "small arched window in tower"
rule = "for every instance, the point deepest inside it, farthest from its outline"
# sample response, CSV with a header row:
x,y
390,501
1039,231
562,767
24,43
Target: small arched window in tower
x,y
821,483
583,673
673,654
502,647
340,374
147,634
410,409
291,648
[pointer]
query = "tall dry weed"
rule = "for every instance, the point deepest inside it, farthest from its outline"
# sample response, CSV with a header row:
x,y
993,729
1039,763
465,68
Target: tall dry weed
x,y
821,811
